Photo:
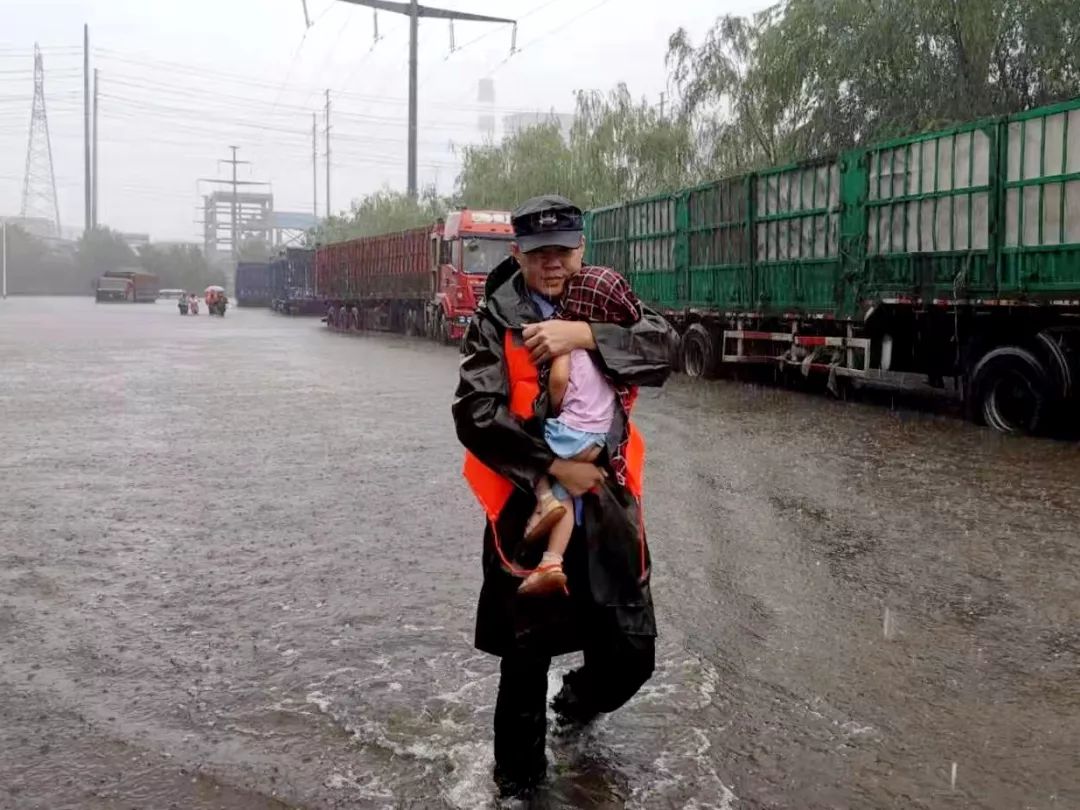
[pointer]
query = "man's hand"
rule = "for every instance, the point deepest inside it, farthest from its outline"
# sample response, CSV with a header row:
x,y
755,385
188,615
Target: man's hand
x,y
554,338
577,476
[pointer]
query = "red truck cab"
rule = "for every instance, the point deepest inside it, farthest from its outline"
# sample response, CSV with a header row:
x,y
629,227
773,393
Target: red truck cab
x,y
466,247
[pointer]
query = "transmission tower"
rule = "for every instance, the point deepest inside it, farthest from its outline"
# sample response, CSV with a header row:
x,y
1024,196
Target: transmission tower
x,y
39,184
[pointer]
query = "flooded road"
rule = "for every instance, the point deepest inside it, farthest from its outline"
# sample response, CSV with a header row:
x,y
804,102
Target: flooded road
x,y
238,569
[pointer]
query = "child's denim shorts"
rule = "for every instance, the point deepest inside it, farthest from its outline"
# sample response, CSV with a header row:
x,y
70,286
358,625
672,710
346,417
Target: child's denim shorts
x,y
567,442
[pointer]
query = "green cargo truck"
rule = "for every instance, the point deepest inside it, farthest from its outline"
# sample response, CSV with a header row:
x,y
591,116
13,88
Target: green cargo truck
x,y
950,257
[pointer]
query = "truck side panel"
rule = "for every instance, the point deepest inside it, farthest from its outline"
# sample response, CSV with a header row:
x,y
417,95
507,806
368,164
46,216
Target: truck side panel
x,y
719,256
796,237
931,215
376,268
652,261
1040,251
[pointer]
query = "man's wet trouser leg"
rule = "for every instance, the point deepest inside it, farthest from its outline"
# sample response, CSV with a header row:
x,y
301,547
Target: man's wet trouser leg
x,y
521,722
613,672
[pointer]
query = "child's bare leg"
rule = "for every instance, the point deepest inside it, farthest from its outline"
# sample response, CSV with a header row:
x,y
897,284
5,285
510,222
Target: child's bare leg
x,y
549,577
543,487
559,538
547,513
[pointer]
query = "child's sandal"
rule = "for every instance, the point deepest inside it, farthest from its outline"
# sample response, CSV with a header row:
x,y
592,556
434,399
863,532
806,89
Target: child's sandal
x,y
545,580
550,512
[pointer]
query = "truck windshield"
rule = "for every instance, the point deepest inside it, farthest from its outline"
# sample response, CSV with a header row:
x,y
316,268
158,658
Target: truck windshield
x,y
481,256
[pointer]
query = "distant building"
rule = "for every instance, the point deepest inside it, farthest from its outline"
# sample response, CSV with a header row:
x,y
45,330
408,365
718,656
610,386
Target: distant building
x,y
178,243
519,122
485,97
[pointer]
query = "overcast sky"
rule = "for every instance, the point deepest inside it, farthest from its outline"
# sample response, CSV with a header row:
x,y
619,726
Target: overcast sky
x,y
181,80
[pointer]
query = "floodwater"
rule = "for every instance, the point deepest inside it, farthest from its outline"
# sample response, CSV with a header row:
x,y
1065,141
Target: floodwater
x,y
238,569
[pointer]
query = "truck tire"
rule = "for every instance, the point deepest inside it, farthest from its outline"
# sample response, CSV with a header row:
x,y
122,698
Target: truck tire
x,y
442,330
1011,391
1049,347
697,355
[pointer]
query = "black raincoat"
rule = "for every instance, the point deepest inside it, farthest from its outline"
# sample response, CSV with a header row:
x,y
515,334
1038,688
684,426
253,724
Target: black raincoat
x,y
607,564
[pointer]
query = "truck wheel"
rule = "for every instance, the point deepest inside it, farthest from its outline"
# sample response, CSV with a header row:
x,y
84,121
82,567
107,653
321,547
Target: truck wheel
x,y
697,355
1010,390
1058,365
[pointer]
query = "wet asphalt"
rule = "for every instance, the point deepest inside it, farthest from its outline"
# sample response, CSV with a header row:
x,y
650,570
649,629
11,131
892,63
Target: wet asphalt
x,y
238,568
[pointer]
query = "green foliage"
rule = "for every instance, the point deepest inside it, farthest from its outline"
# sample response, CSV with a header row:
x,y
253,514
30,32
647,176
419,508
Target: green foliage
x,y
181,267
618,147
807,78
533,161
254,250
383,211
37,268
801,79
100,250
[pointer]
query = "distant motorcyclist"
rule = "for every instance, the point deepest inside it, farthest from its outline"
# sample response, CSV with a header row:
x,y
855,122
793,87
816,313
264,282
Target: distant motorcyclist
x,y
182,305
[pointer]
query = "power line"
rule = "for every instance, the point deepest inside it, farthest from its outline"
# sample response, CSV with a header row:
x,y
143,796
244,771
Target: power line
x,y
200,95
485,35
496,65
197,118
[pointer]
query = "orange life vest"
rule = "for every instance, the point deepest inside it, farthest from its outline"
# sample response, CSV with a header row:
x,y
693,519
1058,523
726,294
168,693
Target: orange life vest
x,y
492,489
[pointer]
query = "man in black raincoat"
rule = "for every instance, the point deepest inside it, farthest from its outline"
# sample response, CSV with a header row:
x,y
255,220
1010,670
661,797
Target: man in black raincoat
x,y
609,612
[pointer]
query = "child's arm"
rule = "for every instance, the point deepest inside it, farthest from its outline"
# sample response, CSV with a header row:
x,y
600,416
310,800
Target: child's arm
x,y
558,380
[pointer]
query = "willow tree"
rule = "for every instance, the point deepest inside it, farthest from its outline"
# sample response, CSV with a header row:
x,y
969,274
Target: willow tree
x,y
808,77
618,147
533,161
383,211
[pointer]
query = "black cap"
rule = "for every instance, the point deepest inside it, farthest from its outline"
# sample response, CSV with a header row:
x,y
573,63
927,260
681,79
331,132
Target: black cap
x,y
546,221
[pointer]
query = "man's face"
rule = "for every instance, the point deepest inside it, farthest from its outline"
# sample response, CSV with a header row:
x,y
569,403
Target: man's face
x,y
547,269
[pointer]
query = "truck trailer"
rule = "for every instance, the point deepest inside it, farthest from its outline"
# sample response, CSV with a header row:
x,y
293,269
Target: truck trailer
x,y
423,281
133,286
292,283
949,259
252,284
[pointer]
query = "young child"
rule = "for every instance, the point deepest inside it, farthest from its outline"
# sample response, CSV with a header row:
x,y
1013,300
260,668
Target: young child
x,y
585,402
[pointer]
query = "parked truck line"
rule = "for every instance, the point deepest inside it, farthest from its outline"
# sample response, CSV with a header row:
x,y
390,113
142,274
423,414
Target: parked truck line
x,y
949,258
423,281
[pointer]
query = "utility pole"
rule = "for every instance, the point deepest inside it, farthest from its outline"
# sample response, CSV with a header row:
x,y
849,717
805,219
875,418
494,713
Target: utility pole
x,y
414,31
3,262
234,229
314,169
328,209
86,123
662,103
415,11
94,201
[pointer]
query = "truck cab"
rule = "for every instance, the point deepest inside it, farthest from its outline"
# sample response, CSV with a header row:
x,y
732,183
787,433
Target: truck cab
x,y
466,247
